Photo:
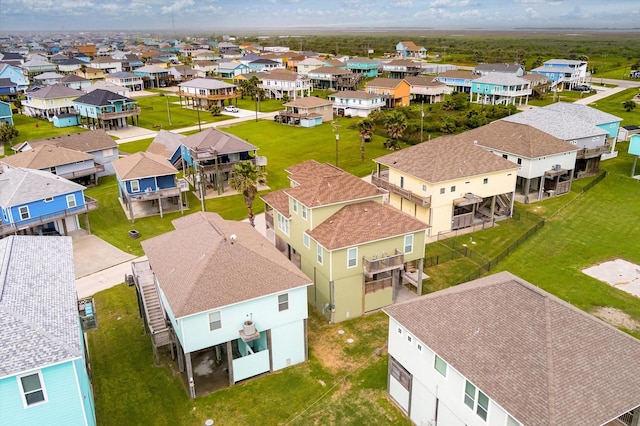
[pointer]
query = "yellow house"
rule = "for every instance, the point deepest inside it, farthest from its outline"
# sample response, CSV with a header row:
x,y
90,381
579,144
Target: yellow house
x,y
395,92
50,101
449,183
90,73
360,252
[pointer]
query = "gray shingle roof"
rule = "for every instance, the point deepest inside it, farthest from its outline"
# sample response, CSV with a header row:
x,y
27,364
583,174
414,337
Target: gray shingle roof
x,y
223,143
584,112
543,360
55,91
38,303
206,83
502,79
166,143
561,124
217,272
20,186
100,97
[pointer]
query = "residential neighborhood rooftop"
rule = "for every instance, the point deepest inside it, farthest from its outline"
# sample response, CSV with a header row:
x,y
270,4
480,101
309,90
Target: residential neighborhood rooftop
x,y
45,156
21,186
141,165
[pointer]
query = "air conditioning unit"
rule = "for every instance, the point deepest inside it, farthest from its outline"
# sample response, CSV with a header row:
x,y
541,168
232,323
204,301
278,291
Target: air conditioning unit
x,y
557,167
469,195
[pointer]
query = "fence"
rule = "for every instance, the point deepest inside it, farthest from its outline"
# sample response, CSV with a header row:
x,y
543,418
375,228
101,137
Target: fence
x,y
586,188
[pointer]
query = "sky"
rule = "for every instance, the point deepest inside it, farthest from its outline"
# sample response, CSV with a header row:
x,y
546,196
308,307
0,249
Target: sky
x,y
256,15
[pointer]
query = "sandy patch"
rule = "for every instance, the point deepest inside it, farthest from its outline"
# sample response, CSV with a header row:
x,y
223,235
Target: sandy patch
x,y
617,318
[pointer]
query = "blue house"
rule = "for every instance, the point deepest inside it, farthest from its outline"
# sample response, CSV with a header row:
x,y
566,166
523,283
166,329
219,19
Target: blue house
x,y
15,75
365,66
6,115
459,81
106,109
235,304
153,76
168,145
563,73
43,359
232,69
408,49
147,185
500,88
8,87
37,202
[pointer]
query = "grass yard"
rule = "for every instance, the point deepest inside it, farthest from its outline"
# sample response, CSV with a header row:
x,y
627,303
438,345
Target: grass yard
x,y
30,128
614,105
154,115
340,384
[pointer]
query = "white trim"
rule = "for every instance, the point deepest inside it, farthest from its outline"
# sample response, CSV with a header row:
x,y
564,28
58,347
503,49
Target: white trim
x,y
306,240
72,197
404,244
319,254
20,212
42,388
137,181
84,412
355,258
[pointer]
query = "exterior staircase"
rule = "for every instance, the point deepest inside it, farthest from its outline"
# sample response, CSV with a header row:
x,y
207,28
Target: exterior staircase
x,y
154,315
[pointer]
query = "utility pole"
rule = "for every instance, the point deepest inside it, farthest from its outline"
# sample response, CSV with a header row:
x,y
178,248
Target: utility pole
x,y
168,110
198,109
422,121
335,126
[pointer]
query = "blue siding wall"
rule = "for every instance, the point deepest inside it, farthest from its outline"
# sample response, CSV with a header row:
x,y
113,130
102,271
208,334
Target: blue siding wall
x,y
63,406
165,182
42,208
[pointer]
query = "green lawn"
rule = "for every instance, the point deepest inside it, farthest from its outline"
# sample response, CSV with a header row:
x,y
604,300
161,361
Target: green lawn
x,y
614,105
154,114
30,128
340,384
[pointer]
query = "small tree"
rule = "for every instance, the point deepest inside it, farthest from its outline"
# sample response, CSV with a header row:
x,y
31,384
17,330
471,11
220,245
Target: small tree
x,y
215,110
8,133
395,124
284,98
629,105
365,128
245,179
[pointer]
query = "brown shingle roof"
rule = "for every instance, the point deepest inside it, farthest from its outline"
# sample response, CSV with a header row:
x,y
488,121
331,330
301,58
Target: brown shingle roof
x,y
402,62
223,143
93,140
518,139
468,75
308,102
354,94
141,165
279,200
423,81
45,156
364,222
543,360
445,158
215,272
391,83
329,70
322,184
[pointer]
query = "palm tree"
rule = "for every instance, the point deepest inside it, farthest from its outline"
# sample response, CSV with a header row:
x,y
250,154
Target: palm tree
x,y
395,124
365,128
245,179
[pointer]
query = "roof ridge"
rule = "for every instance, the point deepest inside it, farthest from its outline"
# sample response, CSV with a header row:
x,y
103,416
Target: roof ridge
x,y
549,359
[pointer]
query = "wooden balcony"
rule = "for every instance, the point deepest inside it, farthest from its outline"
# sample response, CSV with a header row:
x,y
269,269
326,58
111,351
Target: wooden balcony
x,y
154,195
84,172
382,181
586,153
126,113
382,264
222,167
89,204
268,217
214,97
377,285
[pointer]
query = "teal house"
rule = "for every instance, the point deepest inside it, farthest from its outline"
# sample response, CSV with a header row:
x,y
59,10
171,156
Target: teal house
x,y
43,358
365,66
500,88
232,304
6,116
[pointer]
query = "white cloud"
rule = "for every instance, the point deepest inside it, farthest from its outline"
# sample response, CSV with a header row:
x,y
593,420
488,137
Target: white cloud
x,y
405,4
530,1
531,12
175,7
451,3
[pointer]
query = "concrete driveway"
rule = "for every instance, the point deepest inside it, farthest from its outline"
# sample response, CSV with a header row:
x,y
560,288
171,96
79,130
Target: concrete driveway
x,y
92,254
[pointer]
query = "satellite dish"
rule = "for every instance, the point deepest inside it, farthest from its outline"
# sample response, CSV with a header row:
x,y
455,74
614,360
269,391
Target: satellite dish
x,y
233,238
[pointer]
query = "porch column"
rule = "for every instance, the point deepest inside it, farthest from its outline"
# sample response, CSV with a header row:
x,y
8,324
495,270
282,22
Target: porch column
x,y
64,226
128,198
230,362
493,207
541,189
420,267
86,222
192,386
270,350
513,199
160,205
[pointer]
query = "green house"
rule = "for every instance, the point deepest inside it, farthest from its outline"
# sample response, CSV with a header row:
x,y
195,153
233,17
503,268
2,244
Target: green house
x,y
361,253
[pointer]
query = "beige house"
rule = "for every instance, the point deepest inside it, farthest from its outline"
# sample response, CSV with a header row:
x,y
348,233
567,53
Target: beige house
x,y
361,253
449,183
309,111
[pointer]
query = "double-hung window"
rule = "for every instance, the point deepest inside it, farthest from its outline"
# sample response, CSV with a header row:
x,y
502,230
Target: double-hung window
x,y
295,206
32,388
24,212
319,253
408,244
305,240
283,302
352,257
135,185
304,211
215,321
71,201
475,399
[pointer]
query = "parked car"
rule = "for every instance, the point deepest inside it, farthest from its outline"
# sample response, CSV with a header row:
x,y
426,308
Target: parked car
x,y
231,108
582,88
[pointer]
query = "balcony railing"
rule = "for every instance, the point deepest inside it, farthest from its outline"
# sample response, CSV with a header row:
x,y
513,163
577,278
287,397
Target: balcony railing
x,y
89,204
521,92
352,105
383,182
215,97
154,195
586,153
383,264
125,113
84,172
377,285
268,217
222,167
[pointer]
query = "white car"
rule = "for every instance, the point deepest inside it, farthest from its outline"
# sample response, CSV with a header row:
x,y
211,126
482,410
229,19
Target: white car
x,y
231,108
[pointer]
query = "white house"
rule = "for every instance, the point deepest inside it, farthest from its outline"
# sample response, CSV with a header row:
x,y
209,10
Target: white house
x,y
352,103
499,351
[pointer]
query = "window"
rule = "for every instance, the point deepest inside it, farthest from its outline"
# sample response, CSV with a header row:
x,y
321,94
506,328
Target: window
x,y
352,257
453,188
399,331
305,240
304,211
419,347
32,389
319,253
71,201
505,156
283,224
283,302
135,185
424,188
401,181
409,339
442,190
474,398
24,212
440,365
408,244
48,199
519,160
215,321
295,206
485,181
